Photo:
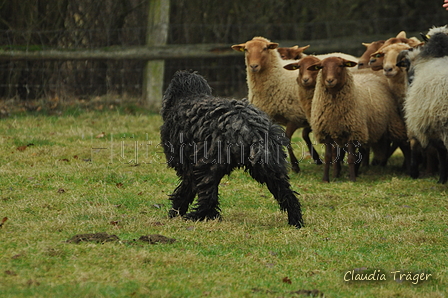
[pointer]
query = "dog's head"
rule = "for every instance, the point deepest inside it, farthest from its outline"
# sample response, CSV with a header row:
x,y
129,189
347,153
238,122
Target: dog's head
x,y
184,84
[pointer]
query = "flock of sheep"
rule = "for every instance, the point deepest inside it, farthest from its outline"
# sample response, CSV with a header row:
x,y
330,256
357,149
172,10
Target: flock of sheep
x,y
352,107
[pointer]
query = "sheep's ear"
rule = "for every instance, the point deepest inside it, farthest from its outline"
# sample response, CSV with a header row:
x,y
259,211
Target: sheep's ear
x,y
304,48
292,66
315,67
402,34
366,44
239,47
272,45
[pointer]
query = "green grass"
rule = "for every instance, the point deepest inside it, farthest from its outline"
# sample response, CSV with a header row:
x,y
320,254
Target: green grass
x,y
64,181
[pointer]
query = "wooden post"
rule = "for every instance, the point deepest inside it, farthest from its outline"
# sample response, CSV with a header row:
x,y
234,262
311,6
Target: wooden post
x,y
157,34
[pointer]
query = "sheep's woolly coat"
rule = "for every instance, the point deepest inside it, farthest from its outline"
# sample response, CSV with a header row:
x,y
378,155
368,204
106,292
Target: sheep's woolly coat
x,y
396,76
339,117
364,110
426,105
306,98
275,90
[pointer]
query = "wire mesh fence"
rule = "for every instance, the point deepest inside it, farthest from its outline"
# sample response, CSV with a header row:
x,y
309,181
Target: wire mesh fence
x,y
27,80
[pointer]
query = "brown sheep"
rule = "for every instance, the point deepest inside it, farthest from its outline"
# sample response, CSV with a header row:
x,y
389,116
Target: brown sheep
x,y
292,53
376,61
274,90
350,110
306,80
371,48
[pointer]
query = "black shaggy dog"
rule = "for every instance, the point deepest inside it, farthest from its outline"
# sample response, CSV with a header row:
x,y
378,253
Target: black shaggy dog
x,y
206,137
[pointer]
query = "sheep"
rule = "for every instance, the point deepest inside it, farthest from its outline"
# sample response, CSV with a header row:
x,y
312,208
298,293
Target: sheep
x,y
397,81
376,61
426,106
363,61
292,53
306,80
274,90
337,54
206,137
350,109
428,156
296,53
396,75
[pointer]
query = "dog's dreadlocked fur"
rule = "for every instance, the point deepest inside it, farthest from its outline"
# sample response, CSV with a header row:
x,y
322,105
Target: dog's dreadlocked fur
x,y
206,137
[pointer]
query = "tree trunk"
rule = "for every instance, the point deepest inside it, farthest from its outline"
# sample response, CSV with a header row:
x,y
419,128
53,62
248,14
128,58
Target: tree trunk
x,y
157,34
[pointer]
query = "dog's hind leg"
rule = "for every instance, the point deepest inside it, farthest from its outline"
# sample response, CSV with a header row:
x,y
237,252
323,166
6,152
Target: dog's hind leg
x,y
287,200
208,178
182,197
279,186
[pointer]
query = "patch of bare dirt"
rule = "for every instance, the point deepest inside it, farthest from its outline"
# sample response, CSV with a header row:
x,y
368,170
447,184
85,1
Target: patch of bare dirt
x,y
104,237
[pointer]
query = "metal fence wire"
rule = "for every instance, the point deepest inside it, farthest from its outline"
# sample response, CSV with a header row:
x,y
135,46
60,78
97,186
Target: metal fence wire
x,y
27,80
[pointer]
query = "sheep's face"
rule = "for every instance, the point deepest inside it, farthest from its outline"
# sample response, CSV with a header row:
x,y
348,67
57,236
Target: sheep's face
x,y
376,61
334,72
377,58
371,48
306,78
292,53
285,53
257,53
390,54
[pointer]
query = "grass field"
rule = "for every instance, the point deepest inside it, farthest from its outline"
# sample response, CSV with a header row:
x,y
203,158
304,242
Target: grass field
x,y
59,178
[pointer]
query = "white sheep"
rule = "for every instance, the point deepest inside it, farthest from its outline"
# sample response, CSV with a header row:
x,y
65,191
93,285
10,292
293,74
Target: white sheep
x,y
350,109
426,105
274,90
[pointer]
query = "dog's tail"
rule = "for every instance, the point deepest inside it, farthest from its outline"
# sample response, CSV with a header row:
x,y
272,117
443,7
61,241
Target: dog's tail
x,y
184,84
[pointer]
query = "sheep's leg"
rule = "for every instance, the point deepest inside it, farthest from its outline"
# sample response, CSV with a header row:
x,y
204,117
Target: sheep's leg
x,y
352,158
365,157
328,160
336,156
362,153
182,197
406,149
443,170
277,182
431,160
290,129
414,172
382,150
207,182
306,137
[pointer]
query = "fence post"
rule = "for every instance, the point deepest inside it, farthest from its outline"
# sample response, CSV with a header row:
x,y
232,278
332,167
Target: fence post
x,y
157,34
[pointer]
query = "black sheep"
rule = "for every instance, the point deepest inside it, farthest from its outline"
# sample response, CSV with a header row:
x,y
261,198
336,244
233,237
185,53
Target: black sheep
x,y
206,137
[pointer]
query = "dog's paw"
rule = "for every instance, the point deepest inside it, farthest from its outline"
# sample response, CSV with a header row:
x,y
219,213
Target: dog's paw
x,y
196,215
173,213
